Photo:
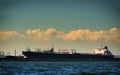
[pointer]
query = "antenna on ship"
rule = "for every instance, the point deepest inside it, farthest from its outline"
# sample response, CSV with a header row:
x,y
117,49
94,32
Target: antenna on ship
x,y
28,48
52,46
15,52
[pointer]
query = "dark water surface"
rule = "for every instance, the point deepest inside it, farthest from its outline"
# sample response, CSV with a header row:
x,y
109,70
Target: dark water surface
x,y
60,68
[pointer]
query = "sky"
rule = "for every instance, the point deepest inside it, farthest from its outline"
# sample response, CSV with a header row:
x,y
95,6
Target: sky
x,y
66,24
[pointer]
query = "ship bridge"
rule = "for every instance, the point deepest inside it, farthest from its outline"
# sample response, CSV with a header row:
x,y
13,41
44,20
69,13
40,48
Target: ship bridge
x,y
102,51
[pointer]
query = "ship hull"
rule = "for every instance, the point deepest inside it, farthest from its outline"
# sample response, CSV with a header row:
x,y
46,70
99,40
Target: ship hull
x,y
49,56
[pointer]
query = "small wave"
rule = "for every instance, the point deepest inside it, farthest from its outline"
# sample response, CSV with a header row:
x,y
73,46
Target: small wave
x,y
59,68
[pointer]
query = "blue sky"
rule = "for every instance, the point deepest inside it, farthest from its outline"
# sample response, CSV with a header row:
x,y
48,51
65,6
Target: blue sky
x,y
94,15
62,15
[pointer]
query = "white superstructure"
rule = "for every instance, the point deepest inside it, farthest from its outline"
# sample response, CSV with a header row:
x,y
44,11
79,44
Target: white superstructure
x,y
102,51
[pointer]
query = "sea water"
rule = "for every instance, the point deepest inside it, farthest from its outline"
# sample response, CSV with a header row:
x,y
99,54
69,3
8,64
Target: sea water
x,y
60,68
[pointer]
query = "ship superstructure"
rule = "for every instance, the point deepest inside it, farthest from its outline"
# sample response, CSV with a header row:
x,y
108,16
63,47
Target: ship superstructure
x,y
102,51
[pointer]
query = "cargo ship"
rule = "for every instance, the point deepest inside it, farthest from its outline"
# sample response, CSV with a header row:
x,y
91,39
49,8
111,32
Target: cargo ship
x,y
102,53
99,54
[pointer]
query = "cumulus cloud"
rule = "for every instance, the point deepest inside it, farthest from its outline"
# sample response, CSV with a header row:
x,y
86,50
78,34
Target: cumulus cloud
x,y
83,35
40,35
112,34
46,35
7,35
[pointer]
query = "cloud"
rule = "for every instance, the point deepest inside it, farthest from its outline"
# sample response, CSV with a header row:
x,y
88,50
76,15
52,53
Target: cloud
x,y
4,35
75,35
111,35
38,35
83,35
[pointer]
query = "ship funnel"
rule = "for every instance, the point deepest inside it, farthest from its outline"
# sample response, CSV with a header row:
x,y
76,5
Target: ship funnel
x,y
106,47
107,51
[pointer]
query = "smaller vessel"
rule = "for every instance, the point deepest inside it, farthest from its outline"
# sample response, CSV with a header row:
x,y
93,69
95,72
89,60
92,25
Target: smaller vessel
x,y
2,54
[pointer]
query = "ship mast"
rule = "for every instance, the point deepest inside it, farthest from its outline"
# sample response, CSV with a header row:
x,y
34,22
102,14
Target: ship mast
x,y
15,52
28,48
52,49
